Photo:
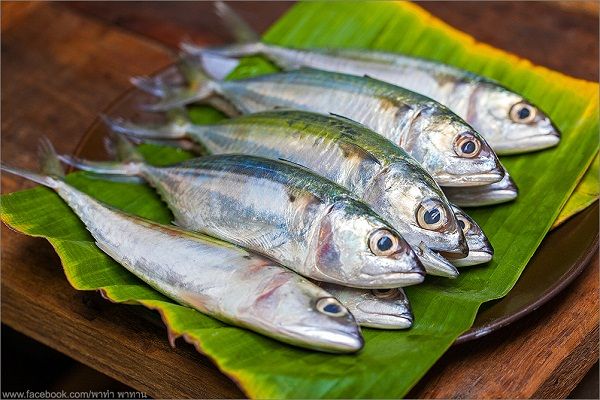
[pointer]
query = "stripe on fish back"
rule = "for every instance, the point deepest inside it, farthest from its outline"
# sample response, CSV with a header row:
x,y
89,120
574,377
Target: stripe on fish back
x,y
311,138
282,172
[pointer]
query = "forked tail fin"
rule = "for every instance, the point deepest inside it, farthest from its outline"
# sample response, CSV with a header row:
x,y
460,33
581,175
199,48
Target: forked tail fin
x,y
176,128
51,170
200,87
241,31
128,163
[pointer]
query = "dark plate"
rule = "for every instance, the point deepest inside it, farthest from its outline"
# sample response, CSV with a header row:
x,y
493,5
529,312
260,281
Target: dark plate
x,y
561,257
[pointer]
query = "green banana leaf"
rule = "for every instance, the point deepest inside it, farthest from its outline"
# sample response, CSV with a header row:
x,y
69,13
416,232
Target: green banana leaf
x,y
391,362
585,194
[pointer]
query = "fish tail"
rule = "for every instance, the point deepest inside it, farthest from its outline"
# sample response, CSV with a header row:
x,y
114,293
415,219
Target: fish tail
x,y
241,31
51,170
200,87
153,86
122,149
102,167
45,180
129,160
49,162
176,128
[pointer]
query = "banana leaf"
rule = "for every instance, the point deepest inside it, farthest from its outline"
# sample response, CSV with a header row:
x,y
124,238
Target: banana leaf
x,y
585,194
391,362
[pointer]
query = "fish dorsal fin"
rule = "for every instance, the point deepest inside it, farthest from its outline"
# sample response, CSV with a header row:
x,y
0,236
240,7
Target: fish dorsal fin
x,y
291,162
343,117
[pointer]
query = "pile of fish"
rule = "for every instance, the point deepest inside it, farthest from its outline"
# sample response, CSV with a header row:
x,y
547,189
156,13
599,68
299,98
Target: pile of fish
x,y
334,185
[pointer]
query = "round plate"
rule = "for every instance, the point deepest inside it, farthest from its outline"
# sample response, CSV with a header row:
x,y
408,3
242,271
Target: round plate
x,y
561,257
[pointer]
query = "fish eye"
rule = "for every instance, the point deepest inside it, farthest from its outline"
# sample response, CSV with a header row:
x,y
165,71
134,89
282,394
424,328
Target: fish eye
x,y
522,113
385,293
383,242
467,145
432,215
330,306
464,223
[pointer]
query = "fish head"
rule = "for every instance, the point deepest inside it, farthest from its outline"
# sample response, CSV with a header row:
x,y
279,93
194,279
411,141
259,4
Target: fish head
x,y
406,196
383,308
309,315
509,122
356,247
480,248
450,150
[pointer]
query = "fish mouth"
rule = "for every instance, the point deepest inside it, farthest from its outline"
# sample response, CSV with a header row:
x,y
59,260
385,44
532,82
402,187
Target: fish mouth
x,y
334,341
479,179
529,144
439,267
474,258
390,280
388,321
501,192
458,252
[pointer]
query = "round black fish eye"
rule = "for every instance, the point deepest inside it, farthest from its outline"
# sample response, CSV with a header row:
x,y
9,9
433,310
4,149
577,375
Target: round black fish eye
x,y
432,215
330,306
467,145
522,113
383,242
464,223
385,293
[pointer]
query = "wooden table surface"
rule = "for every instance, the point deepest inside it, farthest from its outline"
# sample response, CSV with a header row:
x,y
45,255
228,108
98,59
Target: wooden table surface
x,y
63,63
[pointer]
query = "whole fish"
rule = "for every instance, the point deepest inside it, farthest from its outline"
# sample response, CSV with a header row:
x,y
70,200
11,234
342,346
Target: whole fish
x,y
480,248
213,277
375,308
509,122
349,154
295,217
451,151
485,195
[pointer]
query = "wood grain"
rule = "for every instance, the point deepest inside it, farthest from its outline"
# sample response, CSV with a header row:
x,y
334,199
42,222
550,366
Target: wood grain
x,y
541,356
64,63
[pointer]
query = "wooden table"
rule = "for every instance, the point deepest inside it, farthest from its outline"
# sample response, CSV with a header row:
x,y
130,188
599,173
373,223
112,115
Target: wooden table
x,y
63,63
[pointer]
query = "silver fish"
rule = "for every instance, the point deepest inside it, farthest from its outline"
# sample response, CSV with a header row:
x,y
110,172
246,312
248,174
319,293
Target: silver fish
x,y
295,217
347,153
213,277
476,196
375,308
451,151
509,122
480,248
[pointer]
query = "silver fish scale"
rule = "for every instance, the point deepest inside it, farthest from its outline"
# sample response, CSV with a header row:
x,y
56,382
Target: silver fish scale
x,y
209,201
352,172
384,108
201,272
434,80
349,154
507,120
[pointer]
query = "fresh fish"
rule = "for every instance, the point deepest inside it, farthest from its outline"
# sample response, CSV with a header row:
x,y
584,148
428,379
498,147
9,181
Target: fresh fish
x,y
509,122
375,308
480,248
476,196
297,218
451,151
213,277
347,153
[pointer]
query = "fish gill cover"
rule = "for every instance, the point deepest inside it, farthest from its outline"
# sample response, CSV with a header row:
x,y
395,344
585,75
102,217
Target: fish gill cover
x,y
391,361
